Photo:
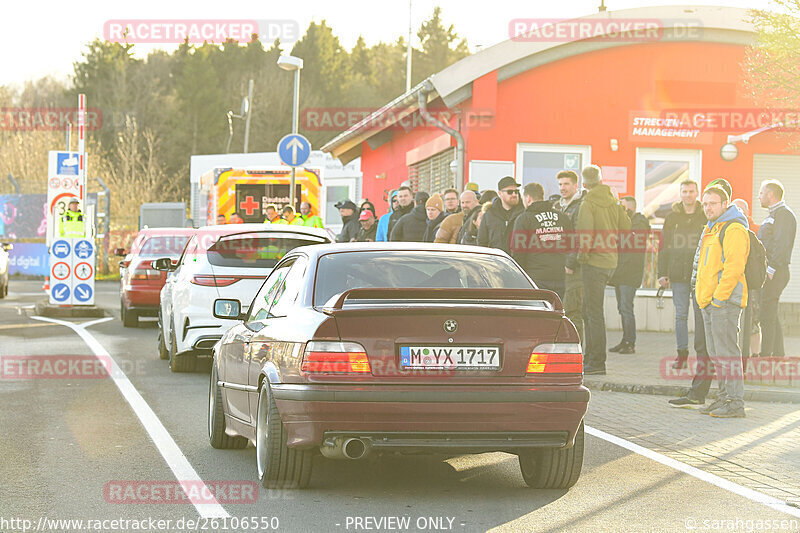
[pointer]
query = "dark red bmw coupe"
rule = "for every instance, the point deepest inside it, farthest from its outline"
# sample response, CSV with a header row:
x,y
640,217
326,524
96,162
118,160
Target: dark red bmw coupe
x,y
362,348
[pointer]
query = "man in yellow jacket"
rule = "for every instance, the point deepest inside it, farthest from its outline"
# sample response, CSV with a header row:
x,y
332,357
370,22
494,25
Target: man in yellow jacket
x,y
721,293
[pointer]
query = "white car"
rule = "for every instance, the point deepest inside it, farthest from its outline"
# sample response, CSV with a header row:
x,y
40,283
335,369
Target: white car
x,y
228,261
4,248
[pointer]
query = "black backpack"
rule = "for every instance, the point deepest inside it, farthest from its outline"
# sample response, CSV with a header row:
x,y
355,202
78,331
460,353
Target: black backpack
x,y
755,270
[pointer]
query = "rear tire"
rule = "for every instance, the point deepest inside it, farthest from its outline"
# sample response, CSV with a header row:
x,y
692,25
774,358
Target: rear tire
x,y
216,418
279,467
553,468
4,291
180,363
130,318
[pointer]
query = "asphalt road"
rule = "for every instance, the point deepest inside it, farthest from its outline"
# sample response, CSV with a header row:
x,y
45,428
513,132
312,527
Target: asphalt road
x,y
67,444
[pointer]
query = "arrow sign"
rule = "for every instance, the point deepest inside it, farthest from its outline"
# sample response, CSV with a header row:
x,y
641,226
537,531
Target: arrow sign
x,y
60,292
294,149
83,292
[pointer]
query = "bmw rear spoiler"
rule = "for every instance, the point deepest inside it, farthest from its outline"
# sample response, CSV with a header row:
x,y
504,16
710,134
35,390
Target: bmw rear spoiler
x,y
519,299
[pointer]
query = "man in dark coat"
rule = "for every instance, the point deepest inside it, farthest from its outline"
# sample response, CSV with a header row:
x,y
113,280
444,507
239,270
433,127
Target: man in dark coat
x,y
681,235
369,226
498,221
628,277
347,210
405,203
434,210
539,242
570,204
411,227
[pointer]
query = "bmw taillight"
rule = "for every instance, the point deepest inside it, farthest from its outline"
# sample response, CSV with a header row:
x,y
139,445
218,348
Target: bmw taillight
x,y
214,281
335,358
556,359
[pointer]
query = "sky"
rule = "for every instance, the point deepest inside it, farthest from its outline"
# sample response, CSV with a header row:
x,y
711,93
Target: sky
x,y
39,41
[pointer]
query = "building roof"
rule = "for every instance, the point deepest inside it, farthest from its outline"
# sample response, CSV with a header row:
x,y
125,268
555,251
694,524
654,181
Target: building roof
x,y
511,57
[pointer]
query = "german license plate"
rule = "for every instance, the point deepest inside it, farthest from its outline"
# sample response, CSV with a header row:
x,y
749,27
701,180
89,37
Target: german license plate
x,y
450,357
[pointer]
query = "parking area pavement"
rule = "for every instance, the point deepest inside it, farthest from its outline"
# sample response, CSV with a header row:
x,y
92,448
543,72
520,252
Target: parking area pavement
x,y
759,452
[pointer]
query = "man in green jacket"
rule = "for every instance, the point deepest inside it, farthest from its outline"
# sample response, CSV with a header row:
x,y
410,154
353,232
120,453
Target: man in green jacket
x,y
600,220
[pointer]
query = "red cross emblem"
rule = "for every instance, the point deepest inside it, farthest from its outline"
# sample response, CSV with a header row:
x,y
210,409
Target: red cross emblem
x,y
249,205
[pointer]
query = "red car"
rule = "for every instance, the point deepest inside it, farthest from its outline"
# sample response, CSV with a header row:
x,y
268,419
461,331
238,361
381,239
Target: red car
x,y
140,285
358,348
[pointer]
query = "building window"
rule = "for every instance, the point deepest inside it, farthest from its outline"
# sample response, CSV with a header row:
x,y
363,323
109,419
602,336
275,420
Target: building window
x,y
433,174
541,163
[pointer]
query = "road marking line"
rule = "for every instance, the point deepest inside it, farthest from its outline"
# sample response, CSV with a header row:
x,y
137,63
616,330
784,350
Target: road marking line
x,y
730,486
22,326
172,454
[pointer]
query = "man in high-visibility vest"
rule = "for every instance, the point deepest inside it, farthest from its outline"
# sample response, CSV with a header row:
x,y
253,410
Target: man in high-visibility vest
x,y
71,222
290,218
272,215
309,220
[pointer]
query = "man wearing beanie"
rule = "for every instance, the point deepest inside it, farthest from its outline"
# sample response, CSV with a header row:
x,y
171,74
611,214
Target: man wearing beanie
x,y
434,209
498,221
600,220
411,227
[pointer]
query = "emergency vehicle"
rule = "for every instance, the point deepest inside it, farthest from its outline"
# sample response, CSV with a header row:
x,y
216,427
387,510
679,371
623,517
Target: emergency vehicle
x,y
249,191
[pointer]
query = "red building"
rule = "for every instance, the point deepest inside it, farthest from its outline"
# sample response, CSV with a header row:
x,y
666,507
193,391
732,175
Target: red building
x,y
651,107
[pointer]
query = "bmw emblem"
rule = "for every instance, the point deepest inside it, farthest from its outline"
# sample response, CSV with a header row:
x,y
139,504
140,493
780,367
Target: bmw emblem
x,y
450,326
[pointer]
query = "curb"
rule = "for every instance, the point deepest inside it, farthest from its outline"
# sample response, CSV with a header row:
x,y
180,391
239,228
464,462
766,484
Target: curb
x,y
676,391
43,308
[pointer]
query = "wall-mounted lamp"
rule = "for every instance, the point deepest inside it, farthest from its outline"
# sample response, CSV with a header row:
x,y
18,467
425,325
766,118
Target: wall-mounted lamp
x,y
614,145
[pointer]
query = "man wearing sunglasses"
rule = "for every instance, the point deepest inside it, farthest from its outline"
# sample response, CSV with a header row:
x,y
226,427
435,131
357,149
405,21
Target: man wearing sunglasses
x,y
498,221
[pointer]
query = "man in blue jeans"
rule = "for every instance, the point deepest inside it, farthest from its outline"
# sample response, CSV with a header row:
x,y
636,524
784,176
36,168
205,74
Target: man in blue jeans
x,y
628,277
681,235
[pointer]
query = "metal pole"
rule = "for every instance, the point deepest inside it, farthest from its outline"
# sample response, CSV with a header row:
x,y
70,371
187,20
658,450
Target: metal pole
x,y
408,51
15,183
295,114
106,222
230,132
69,131
249,112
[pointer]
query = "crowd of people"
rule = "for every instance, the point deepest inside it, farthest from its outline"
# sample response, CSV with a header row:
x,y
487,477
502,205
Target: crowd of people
x,y
714,258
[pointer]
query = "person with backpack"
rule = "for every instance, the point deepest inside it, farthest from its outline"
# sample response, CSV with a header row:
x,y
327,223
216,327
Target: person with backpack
x,y
778,233
721,293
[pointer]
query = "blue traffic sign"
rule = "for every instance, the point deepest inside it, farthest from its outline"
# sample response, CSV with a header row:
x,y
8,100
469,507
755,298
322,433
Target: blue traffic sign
x,y
61,249
83,292
67,164
60,292
294,149
84,249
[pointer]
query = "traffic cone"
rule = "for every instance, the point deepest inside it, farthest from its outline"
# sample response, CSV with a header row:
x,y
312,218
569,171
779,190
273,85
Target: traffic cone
x,y
46,286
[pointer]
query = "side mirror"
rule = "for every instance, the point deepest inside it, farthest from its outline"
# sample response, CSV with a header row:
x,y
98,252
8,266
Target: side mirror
x,y
7,246
230,309
120,252
124,264
164,264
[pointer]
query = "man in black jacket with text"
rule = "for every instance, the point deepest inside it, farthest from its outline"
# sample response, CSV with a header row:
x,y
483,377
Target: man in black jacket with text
x,y
539,241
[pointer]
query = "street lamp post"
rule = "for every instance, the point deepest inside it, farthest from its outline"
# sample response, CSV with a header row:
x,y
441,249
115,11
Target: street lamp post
x,y
296,64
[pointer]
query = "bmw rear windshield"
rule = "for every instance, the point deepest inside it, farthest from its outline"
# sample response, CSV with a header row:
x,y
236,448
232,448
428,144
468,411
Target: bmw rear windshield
x,y
339,272
256,251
